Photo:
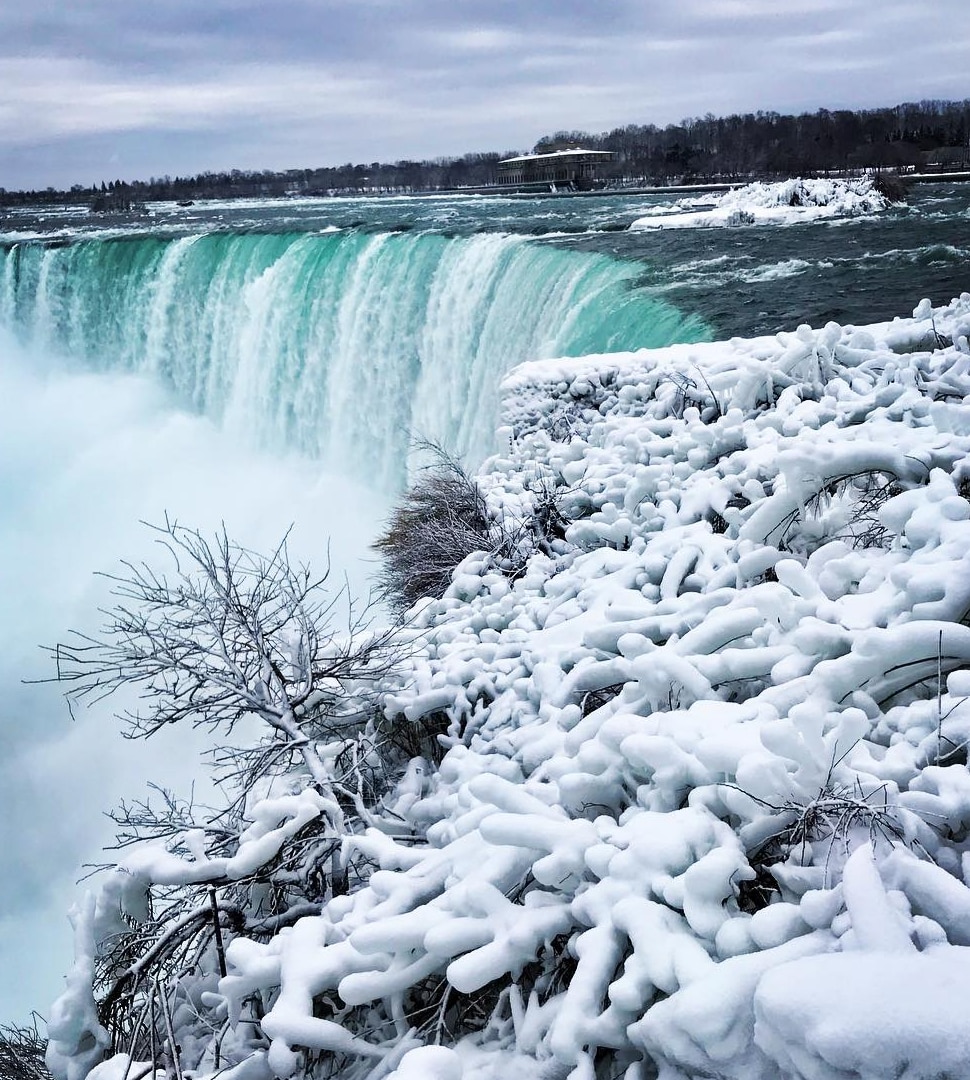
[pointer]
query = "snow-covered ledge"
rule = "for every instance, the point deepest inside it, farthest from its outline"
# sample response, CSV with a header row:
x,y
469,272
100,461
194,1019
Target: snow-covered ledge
x,y
704,804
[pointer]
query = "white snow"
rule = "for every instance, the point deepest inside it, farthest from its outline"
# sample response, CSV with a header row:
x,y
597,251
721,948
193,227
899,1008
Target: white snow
x,y
77,1039
867,1016
429,1063
786,202
704,802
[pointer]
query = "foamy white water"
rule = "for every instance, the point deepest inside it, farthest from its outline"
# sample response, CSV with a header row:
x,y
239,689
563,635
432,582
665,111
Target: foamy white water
x,y
84,458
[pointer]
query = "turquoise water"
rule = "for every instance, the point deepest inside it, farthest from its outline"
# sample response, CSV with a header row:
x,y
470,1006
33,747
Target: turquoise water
x,y
342,328
341,345
737,281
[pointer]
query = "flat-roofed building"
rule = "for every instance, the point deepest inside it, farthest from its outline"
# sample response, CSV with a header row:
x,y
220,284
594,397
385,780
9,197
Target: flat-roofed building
x,y
575,169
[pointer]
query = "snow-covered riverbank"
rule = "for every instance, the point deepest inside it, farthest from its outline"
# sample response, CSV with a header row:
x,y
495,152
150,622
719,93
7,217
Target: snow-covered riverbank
x,y
704,801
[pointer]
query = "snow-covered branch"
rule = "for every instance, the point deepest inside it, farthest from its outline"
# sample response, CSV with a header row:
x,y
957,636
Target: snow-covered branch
x,y
683,791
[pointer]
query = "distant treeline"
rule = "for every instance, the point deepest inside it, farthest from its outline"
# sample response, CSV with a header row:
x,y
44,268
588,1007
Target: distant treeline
x,y
924,135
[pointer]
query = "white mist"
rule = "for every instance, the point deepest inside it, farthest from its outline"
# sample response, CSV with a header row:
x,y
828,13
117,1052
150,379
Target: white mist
x,y
84,458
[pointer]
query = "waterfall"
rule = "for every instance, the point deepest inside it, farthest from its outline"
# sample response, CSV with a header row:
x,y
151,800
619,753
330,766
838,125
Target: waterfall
x,y
341,345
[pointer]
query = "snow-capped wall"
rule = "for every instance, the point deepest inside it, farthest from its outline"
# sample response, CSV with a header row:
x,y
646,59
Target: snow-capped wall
x,y
704,805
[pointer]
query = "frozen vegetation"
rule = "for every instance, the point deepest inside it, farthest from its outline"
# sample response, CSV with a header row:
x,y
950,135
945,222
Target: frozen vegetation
x,y
787,202
671,781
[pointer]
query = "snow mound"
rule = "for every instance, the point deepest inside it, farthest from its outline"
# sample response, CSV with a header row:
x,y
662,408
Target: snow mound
x,y
702,803
811,1016
429,1063
784,203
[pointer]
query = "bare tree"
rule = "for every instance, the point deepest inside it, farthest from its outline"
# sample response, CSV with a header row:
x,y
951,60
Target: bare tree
x,y
225,634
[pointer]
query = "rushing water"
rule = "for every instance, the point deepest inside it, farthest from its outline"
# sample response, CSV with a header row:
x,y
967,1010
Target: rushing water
x,y
857,269
238,362
343,327
337,344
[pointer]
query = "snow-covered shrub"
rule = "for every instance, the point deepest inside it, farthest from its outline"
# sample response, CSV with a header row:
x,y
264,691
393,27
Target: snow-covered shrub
x,y
444,518
704,807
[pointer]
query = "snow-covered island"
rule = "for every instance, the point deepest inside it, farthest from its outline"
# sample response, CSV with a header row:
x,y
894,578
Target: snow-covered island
x,y
688,791
788,202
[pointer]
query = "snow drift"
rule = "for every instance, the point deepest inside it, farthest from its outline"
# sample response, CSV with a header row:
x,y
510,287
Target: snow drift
x,y
785,203
702,803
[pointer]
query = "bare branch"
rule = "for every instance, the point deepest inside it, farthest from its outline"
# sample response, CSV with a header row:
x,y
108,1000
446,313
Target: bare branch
x,y
22,1053
230,634
219,634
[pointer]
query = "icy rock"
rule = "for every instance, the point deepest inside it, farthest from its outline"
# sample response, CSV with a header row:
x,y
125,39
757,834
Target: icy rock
x,y
786,202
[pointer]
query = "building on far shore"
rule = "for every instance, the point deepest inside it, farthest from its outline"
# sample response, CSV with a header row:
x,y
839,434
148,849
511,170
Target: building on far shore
x,y
559,170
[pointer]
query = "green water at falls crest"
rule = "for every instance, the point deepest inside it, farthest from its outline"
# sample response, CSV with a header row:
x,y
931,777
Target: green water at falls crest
x,y
338,345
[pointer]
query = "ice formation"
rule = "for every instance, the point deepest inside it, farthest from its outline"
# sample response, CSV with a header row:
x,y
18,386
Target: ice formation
x,y
783,203
702,804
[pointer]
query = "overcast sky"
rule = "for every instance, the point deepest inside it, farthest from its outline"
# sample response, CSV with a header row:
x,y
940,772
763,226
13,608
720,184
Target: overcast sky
x,y
121,89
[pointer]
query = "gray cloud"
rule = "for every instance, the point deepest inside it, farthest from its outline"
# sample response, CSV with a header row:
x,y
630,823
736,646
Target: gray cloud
x,y
102,87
